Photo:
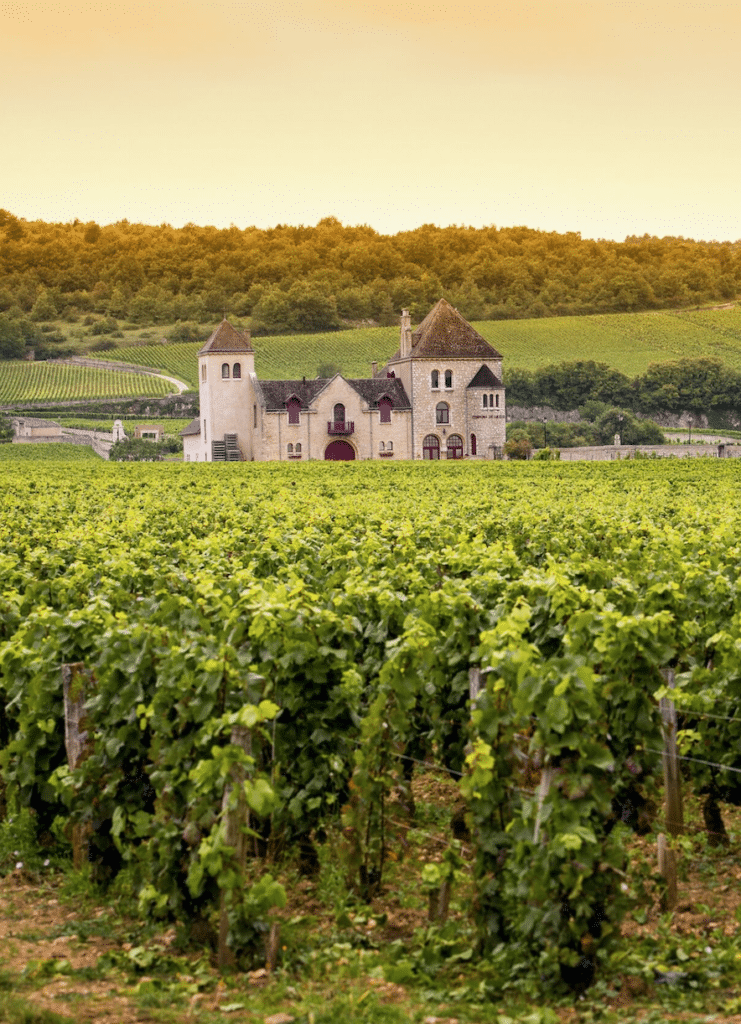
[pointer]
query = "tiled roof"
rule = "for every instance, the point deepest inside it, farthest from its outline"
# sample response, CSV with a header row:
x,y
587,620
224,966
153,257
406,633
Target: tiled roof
x,y
277,392
484,378
193,428
227,339
444,333
376,387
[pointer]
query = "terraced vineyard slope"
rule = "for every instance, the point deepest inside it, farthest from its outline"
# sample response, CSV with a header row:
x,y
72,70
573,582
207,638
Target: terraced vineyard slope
x,y
48,381
629,342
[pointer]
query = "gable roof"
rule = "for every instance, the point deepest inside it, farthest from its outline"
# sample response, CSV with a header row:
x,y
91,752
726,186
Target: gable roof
x,y
277,392
227,339
444,333
484,378
374,388
193,428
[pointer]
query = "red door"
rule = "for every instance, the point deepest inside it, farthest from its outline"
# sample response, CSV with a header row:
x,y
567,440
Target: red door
x,y
339,451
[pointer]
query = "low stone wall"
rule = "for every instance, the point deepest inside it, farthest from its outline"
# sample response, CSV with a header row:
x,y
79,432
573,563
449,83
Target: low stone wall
x,y
75,436
608,453
102,447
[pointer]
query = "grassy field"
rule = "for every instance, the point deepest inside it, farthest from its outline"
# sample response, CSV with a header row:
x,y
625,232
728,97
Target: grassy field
x,y
49,452
172,426
627,341
40,382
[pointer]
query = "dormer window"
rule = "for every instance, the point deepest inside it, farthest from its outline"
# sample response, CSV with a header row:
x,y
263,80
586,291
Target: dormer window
x,y
435,379
384,407
225,371
237,371
294,408
448,378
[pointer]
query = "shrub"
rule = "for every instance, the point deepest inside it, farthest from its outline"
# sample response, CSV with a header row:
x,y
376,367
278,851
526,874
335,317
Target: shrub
x,y
518,448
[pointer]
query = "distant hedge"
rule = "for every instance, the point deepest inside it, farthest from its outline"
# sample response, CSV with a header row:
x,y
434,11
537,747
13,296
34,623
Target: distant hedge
x,y
687,385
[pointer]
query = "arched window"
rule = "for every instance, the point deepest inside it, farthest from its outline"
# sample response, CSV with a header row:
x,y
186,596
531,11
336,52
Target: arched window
x,y
442,412
435,379
339,413
294,408
385,405
390,446
448,378
473,444
237,371
486,400
290,449
381,446
298,448
225,371
497,401
455,447
431,447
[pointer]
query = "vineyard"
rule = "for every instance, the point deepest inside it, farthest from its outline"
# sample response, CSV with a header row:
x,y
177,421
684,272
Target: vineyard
x,y
628,342
49,452
40,382
265,664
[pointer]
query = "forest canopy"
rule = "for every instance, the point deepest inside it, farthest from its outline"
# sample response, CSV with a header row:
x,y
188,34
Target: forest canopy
x,y
318,278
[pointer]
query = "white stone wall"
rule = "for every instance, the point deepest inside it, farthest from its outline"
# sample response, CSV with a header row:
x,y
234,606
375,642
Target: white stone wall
x,y
225,403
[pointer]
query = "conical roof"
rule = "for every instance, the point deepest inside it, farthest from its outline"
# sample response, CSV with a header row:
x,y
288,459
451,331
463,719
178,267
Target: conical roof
x,y
444,332
227,339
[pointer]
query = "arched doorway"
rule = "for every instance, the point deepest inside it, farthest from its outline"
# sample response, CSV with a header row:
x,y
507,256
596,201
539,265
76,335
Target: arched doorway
x,y
431,447
455,447
339,451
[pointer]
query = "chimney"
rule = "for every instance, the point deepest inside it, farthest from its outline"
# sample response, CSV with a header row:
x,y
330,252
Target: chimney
x,y
405,346
374,369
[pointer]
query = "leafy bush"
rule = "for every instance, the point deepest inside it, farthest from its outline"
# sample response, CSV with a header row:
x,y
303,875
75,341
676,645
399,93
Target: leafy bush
x,y
518,448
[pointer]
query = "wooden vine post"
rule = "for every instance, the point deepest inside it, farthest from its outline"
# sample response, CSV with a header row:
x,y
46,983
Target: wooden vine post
x,y
672,794
236,822
76,686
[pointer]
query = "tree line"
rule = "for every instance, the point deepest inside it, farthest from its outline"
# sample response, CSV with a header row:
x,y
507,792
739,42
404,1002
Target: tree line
x,y
322,277
702,385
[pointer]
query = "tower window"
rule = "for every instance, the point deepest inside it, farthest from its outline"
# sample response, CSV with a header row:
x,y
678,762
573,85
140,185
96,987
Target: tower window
x,y
225,371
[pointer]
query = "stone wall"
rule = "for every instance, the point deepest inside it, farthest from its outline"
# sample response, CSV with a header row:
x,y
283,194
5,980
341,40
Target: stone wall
x,y
607,453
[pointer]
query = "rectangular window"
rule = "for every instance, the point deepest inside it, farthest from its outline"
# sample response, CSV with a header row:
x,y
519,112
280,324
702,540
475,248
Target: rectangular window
x,y
254,416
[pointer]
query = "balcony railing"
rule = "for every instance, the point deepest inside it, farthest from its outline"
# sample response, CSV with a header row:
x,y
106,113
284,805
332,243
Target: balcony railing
x,y
333,427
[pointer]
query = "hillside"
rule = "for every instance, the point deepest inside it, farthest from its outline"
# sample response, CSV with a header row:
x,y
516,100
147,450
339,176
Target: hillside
x,y
628,342
323,277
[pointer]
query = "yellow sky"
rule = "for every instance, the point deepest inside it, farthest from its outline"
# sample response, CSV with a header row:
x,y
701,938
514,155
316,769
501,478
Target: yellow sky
x,y
609,117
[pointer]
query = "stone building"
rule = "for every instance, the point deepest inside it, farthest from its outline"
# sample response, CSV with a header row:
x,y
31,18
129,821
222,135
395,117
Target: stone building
x,y
439,396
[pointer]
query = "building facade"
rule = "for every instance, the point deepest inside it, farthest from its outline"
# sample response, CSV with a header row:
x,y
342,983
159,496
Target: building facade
x,y
439,396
